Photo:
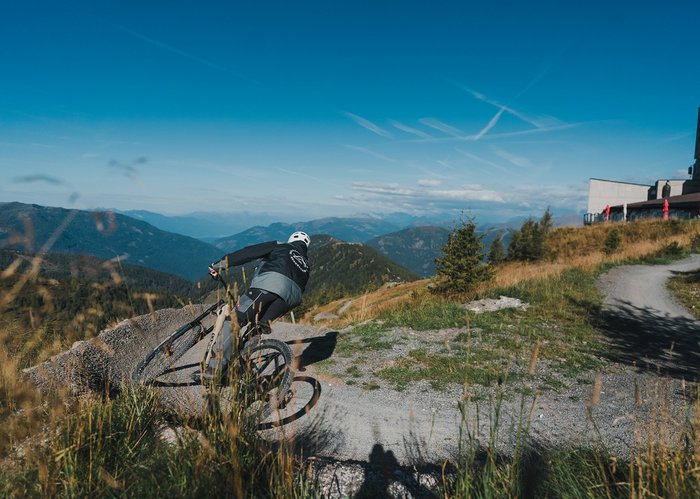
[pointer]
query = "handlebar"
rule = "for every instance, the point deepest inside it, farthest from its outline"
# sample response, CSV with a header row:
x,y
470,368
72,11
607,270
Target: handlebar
x,y
226,286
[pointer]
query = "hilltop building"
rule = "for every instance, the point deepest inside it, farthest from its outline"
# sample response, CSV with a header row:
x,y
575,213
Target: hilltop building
x,y
630,201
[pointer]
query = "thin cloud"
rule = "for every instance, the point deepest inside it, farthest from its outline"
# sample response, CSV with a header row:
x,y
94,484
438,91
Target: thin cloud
x,y
512,158
489,125
29,179
539,122
411,130
441,126
429,182
481,160
371,153
365,123
127,170
464,194
182,53
678,136
306,175
444,163
470,138
543,71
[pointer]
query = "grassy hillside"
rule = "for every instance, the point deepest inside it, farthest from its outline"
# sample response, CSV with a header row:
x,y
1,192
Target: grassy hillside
x,y
339,269
105,235
567,248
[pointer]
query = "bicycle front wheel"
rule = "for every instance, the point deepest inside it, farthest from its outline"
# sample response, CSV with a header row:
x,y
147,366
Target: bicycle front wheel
x,y
267,375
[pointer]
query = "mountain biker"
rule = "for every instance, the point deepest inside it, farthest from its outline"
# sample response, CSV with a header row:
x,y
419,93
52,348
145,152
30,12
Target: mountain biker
x,y
276,288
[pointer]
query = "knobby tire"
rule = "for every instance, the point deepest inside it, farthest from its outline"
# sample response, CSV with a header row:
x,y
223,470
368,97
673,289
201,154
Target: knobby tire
x,y
171,349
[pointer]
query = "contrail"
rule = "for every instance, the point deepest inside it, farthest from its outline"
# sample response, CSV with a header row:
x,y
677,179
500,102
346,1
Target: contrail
x,y
365,123
408,129
490,124
182,53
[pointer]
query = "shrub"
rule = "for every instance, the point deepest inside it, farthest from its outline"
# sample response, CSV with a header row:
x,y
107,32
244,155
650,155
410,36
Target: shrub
x,y
673,249
695,244
613,241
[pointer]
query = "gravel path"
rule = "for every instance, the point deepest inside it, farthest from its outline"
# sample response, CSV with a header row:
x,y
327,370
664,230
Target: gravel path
x,y
653,345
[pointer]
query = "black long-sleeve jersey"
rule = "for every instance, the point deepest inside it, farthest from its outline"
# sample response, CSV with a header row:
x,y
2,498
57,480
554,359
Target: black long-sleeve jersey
x,y
284,270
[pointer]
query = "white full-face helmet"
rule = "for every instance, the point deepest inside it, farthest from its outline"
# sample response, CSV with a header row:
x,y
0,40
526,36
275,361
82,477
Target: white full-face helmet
x,y
300,236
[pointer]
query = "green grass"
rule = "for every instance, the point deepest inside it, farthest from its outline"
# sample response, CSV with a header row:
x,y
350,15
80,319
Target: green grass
x,y
459,366
362,340
562,318
685,288
354,371
668,254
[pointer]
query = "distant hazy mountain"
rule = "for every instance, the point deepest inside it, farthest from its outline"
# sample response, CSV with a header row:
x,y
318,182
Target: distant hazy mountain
x,y
415,248
345,229
104,235
202,225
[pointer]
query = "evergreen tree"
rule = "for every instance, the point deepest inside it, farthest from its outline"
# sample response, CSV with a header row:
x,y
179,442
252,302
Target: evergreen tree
x,y
530,242
497,251
460,268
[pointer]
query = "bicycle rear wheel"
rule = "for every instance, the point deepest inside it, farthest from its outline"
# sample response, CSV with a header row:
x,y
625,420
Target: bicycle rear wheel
x,y
266,376
164,356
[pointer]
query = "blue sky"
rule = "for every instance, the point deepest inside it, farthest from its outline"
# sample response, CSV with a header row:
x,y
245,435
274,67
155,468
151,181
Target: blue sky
x,y
311,109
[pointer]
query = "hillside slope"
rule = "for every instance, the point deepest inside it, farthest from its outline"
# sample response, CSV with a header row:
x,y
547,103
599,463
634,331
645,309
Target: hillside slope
x,y
104,235
415,248
339,269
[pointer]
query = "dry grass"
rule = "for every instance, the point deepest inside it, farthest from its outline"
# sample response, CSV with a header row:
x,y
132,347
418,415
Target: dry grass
x,y
568,248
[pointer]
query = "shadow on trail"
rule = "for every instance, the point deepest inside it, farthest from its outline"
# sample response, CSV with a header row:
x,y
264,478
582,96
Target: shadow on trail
x,y
640,337
310,402
382,470
317,348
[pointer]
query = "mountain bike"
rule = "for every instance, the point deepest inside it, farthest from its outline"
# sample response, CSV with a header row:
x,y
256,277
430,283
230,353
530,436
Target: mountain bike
x,y
260,368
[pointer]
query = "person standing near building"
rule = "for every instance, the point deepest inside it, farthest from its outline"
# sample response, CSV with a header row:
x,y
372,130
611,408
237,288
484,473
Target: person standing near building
x,y
666,190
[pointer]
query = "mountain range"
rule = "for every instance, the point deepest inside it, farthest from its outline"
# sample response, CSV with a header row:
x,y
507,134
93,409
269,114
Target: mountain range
x,y
109,235
338,265
415,248
352,230
106,235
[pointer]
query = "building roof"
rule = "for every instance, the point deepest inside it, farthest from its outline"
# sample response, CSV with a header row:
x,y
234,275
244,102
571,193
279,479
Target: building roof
x,y
678,202
618,182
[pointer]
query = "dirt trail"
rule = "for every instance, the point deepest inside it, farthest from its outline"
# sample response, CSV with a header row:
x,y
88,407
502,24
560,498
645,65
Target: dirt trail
x,y
421,424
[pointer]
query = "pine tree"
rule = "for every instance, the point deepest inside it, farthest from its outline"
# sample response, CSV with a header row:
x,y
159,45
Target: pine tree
x,y
530,242
460,268
497,251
